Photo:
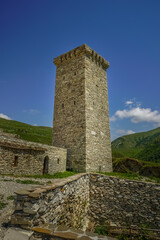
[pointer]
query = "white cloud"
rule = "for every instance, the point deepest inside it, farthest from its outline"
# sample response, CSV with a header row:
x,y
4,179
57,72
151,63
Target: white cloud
x,y
124,132
4,116
31,111
129,102
139,114
113,118
35,124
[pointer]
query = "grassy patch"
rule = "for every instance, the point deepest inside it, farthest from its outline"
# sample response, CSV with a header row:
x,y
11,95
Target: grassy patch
x,y
27,132
7,180
144,146
11,197
27,181
52,176
3,205
132,176
101,230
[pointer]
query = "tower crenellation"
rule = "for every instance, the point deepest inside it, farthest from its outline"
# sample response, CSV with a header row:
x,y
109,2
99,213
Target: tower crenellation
x,y
82,50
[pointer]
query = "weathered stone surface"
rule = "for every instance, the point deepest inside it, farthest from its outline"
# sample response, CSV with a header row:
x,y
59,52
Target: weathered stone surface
x,y
66,203
93,199
22,157
17,234
52,232
66,235
124,202
81,115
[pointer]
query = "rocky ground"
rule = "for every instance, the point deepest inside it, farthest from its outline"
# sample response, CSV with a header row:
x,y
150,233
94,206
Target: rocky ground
x,y
8,185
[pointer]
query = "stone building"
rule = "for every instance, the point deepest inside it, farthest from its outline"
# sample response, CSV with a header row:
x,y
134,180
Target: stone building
x,y
22,157
81,114
81,132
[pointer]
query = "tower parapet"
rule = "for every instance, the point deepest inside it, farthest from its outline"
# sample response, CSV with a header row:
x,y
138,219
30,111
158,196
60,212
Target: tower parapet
x,y
81,50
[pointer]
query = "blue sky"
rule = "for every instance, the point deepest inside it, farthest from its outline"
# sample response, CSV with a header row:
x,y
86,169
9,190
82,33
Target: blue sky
x,y
125,32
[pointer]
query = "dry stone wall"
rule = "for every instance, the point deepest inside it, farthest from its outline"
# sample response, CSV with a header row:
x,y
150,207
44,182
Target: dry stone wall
x,y
65,202
124,202
86,200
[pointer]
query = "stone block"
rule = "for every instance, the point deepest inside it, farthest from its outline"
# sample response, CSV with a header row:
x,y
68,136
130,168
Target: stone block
x,y
17,234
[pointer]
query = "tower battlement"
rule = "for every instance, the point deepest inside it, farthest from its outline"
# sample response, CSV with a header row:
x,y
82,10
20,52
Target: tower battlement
x,y
81,114
81,50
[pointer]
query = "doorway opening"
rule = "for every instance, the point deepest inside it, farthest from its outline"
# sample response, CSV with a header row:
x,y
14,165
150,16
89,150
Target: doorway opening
x,y
45,165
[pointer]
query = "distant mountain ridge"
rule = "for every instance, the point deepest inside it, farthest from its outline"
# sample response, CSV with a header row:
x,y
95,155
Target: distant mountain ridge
x,y
143,146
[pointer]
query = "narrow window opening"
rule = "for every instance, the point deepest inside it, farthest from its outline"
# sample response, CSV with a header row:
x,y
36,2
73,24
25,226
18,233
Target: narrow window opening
x,y
63,77
46,165
62,105
93,103
75,73
58,160
15,163
74,102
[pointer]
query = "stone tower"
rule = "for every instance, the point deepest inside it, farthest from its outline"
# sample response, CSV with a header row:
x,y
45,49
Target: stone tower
x,y
81,114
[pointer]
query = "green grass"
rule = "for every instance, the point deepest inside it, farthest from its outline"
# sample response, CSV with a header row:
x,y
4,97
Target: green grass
x,y
3,205
7,180
132,176
28,182
143,146
101,230
11,197
52,176
27,132
144,163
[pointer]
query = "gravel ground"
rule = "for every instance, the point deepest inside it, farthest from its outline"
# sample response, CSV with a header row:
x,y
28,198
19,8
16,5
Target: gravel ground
x,y
8,186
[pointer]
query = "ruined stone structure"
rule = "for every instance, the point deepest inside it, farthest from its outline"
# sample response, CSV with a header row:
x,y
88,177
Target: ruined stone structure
x,y
22,157
81,115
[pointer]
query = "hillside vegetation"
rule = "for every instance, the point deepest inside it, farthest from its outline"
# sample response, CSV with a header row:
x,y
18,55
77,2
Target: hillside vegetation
x,y
27,132
143,146
126,150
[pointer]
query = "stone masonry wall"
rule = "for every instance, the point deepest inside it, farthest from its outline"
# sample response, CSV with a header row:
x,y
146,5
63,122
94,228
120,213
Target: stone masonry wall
x,y
63,202
81,115
98,142
22,157
57,159
87,200
29,161
69,115
124,202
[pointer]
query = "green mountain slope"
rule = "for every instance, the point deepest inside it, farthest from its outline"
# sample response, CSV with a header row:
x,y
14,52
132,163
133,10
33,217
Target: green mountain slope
x,y
27,132
144,146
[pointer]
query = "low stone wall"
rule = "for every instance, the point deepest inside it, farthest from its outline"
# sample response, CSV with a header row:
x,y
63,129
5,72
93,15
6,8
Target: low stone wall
x,y
124,202
86,200
65,202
